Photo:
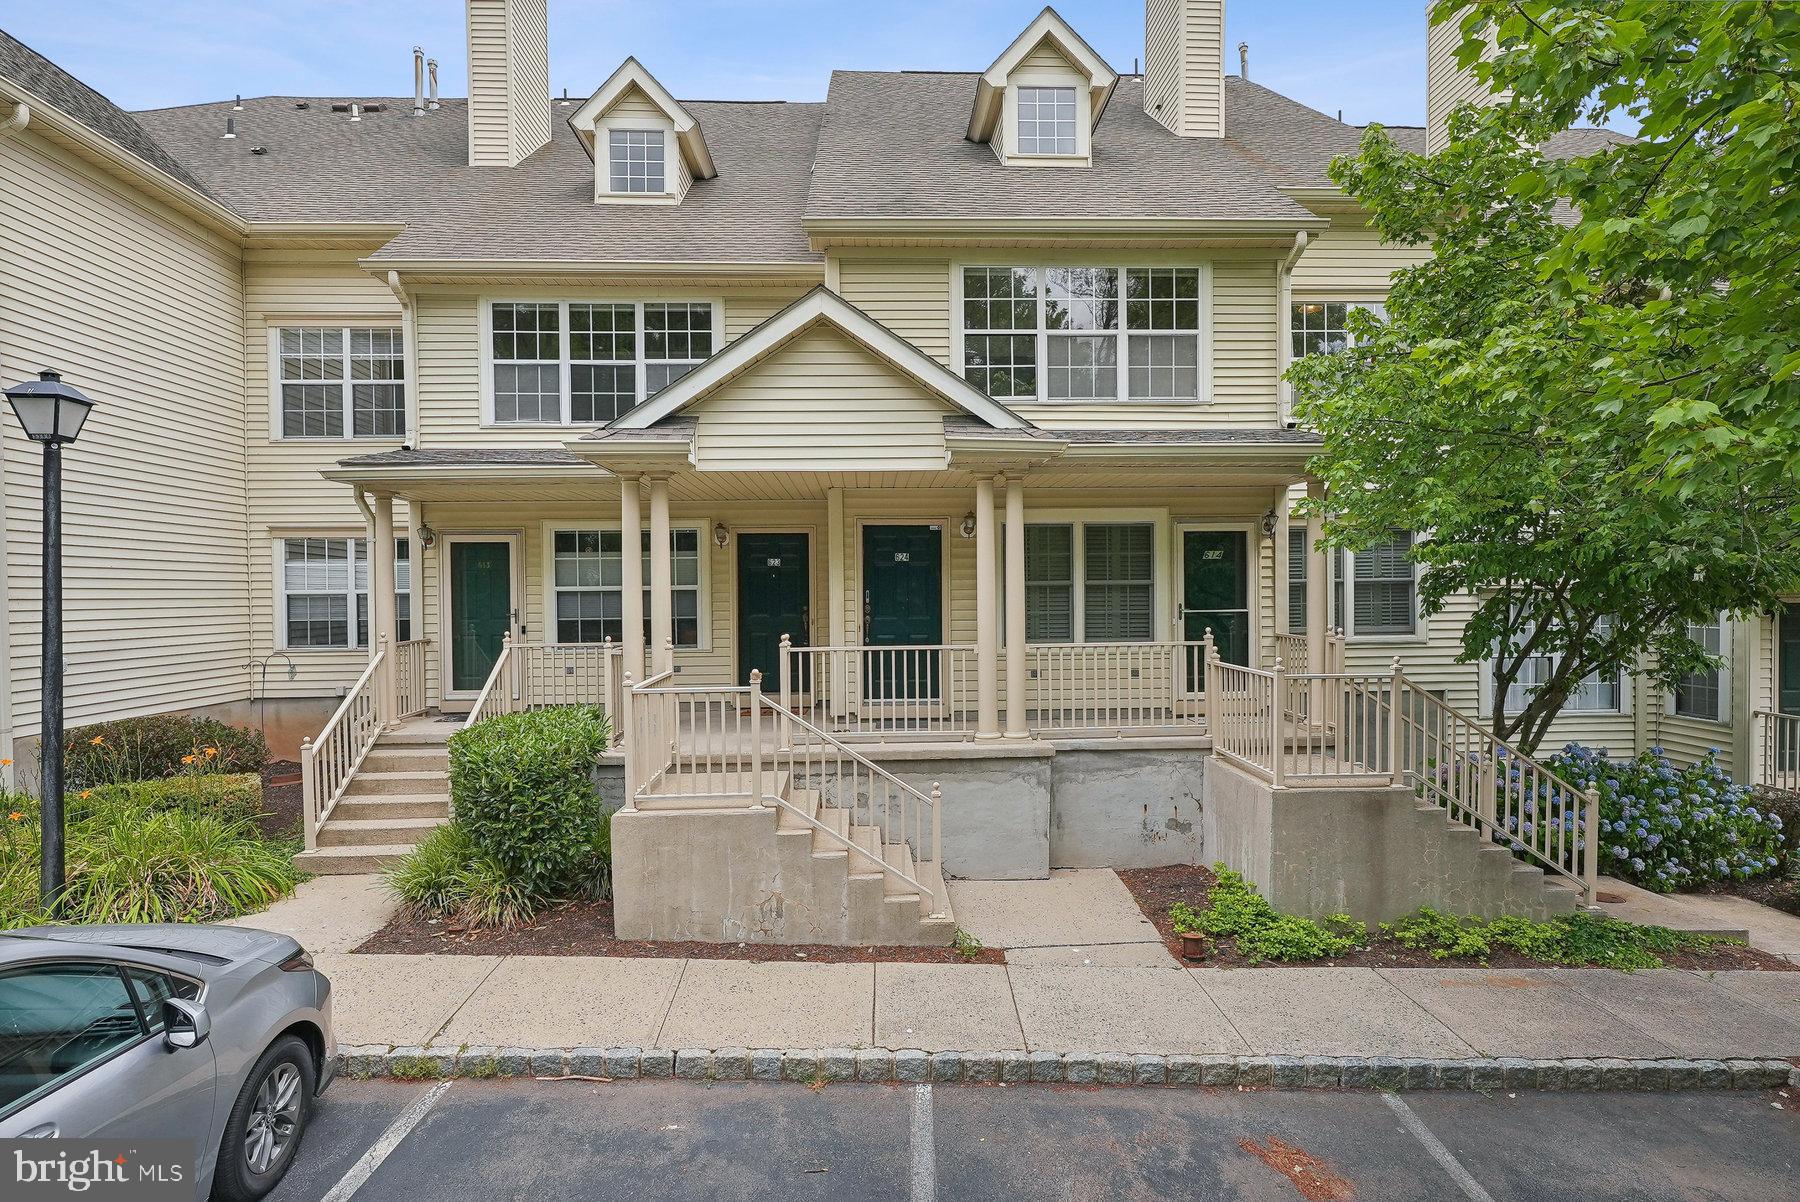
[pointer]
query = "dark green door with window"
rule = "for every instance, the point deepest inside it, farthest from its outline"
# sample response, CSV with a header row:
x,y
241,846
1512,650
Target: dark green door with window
x,y
1215,594
481,607
774,583
903,600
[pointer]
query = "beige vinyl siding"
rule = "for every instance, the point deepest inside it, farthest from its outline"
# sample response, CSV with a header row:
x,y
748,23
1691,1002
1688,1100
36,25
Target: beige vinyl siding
x,y
820,401
1446,85
509,80
1349,261
911,297
1184,64
142,310
287,494
634,102
1045,57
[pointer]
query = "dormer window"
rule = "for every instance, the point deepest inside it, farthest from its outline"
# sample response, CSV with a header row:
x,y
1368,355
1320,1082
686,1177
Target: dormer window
x,y
1038,104
635,158
646,146
1046,120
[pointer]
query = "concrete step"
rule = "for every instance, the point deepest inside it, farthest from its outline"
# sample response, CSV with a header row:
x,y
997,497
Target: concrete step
x,y
345,861
807,801
376,832
406,759
867,858
432,734
366,783
835,820
899,856
393,805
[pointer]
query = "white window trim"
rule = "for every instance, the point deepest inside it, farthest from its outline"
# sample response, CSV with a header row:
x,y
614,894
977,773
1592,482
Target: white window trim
x,y
1291,296
673,172
703,527
1418,633
1123,400
278,562
1163,552
1485,696
1005,146
485,324
292,321
1727,636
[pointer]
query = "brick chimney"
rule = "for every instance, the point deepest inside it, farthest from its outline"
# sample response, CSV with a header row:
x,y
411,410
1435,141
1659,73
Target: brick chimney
x,y
1184,65
509,80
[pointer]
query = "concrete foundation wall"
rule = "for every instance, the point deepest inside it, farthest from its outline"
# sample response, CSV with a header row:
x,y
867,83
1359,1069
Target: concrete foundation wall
x,y
1372,853
1126,809
996,819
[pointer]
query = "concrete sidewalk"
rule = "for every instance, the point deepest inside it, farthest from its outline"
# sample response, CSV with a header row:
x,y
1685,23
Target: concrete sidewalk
x,y
1118,991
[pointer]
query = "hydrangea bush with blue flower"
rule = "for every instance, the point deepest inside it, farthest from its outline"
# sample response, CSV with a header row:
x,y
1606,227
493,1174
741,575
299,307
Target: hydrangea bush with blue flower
x,y
1667,827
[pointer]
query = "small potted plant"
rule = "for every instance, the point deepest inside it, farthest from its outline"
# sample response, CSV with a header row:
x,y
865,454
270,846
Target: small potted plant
x,y
1195,946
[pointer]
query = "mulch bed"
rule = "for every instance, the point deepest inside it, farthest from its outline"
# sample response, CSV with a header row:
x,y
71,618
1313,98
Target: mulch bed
x,y
586,929
281,802
1156,889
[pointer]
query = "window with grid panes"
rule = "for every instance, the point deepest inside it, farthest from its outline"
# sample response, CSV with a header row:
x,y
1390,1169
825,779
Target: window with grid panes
x,y
602,361
677,337
1046,120
1702,694
1323,327
1000,323
1118,568
324,587
635,160
1081,313
527,351
334,379
587,579
1592,694
1162,317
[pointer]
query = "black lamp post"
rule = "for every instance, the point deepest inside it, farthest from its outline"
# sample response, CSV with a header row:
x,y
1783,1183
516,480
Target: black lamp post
x,y
52,413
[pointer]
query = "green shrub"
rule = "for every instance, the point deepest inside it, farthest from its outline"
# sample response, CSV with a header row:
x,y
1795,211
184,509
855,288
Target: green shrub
x,y
1667,827
1575,939
1237,910
448,876
236,798
152,747
128,861
523,786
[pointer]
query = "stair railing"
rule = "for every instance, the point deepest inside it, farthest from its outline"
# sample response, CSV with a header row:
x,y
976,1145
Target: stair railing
x,y
328,761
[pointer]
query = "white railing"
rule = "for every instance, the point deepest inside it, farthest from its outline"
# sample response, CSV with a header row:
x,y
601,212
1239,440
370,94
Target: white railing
x,y
1117,688
529,676
498,695
882,691
1291,650
409,678
328,762
1316,730
1777,750
704,747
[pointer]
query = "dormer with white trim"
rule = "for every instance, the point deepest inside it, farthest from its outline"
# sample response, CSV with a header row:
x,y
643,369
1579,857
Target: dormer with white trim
x,y
647,148
1038,104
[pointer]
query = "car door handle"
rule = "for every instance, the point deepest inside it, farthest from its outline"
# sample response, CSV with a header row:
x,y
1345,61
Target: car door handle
x,y
43,1131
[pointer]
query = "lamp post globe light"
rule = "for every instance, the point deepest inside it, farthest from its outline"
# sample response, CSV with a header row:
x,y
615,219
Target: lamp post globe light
x,y
52,413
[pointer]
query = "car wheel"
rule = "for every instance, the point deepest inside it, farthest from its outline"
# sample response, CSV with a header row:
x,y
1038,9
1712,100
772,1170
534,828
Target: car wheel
x,y
266,1122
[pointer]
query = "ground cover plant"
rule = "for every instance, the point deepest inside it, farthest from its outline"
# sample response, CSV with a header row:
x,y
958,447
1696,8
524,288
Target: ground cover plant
x,y
161,745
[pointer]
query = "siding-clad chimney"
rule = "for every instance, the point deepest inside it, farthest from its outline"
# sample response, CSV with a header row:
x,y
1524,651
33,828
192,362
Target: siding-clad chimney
x,y
1447,85
1184,65
509,80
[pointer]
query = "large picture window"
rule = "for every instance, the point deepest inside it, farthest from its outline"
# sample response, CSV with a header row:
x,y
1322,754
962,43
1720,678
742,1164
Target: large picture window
x,y
588,576
324,592
1082,334
341,381
567,362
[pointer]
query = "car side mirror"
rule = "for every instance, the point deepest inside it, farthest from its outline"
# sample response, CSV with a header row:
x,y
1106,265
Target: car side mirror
x,y
185,1024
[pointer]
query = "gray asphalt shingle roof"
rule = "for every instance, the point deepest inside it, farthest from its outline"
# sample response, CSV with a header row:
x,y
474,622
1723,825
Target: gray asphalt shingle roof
x,y
466,457
41,77
393,167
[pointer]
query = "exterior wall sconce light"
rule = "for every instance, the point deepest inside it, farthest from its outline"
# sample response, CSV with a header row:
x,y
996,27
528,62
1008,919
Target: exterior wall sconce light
x,y
1271,522
721,536
967,529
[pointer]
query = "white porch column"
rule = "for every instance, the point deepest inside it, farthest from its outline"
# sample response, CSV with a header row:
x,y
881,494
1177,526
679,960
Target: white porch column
x,y
662,598
1015,609
987,640
381,596
631,578
837,632
1318,585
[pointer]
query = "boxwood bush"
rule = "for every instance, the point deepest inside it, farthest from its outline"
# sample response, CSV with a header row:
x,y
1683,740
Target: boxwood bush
x,y
522,785
152,747
1667,827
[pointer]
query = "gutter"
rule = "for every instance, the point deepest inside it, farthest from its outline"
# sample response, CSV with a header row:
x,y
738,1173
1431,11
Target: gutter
x,y
21,117
812,272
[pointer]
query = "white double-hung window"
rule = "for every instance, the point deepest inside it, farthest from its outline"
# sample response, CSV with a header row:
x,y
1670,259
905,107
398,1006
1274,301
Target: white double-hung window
x,y
1592,694
1376,588
1707,694
1083,334
1322,327
340,381
322,589
588,577
634,159
1046,120
579,362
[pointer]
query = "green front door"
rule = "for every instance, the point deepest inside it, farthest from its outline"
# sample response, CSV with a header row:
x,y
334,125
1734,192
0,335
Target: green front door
x,y
1215,594
903,600
1788,656
774,583
481,608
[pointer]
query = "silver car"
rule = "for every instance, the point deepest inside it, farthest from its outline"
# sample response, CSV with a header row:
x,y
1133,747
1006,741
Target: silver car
x,y
220,1036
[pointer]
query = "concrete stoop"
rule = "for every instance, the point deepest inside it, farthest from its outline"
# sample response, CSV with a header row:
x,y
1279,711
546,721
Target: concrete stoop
x,y
765,874
400,793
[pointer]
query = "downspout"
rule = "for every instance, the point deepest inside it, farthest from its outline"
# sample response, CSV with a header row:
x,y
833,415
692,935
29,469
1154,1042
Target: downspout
x,y
9,773
409,348
1284,294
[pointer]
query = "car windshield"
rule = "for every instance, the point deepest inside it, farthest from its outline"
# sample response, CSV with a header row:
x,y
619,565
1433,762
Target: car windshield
x,y
58,1019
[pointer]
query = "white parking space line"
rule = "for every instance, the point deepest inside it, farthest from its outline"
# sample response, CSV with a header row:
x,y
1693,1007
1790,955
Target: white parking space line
x,y
924,1147
1432,1144
390,1139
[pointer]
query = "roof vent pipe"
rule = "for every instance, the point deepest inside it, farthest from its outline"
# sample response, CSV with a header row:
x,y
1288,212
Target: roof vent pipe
x,y
418,81
230,127
1243,60
237,105
431,74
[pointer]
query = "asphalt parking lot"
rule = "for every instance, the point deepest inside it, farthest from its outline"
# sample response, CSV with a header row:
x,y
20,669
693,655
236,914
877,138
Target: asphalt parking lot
x,y
557,1140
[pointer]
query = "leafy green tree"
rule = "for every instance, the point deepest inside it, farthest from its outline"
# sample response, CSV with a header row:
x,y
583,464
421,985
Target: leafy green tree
x,y
1587,398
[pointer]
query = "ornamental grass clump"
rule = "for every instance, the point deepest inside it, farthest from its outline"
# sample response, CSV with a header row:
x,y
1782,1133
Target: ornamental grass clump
x,y
1667,827
1237,911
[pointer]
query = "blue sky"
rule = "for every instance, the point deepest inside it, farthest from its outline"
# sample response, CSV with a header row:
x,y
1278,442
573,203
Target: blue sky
x,y
1366,57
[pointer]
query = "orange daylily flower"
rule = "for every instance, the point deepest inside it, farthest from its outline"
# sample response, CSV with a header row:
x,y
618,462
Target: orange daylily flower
x,y
97,740
86,793
16,816
212,751
5,763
